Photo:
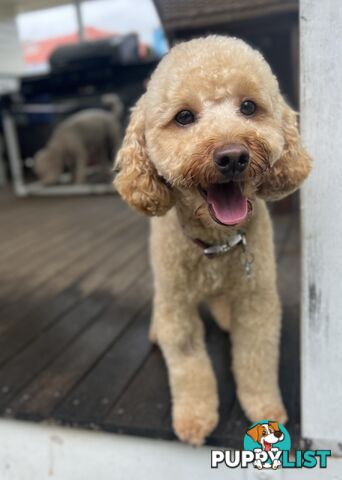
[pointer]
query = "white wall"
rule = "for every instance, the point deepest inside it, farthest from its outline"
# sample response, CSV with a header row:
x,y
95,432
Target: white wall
x,y
321,125
39,452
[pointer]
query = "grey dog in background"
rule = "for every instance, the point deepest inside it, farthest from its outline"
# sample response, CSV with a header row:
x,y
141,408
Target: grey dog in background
x,y
88,137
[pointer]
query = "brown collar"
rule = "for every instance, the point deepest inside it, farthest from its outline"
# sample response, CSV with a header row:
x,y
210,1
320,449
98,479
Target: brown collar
x,y
212,251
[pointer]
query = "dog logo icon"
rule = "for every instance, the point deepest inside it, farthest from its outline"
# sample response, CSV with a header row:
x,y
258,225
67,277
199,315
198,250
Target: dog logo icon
x,y
267,439
267,444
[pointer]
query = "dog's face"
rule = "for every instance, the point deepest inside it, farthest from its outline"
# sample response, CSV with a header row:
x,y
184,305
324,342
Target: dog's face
x,y
210,125
47,166
266,434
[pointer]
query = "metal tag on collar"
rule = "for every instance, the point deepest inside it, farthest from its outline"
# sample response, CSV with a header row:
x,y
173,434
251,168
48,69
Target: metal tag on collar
x,y
225,247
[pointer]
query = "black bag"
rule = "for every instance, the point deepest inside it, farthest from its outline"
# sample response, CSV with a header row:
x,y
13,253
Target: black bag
x,y
117,50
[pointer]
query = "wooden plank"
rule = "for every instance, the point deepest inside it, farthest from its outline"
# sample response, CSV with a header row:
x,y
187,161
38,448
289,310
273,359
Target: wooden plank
x,y
18,212
50,258
45,263
144,406
79,266
48,389
26,213
321,360
220,353
30,267
91,399
71,276
288,253
286,234
45,227
232,419
25,366
24,232
192,15
289,371
16,337
45,223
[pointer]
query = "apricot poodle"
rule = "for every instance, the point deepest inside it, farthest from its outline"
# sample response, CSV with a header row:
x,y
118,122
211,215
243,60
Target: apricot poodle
x,y
210,140
89,137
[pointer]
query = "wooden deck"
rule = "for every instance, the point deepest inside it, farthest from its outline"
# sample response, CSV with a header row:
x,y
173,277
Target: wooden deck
x,y
75,302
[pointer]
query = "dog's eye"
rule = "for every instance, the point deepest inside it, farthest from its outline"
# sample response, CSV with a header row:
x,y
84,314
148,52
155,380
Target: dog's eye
x,y
248,108
185,117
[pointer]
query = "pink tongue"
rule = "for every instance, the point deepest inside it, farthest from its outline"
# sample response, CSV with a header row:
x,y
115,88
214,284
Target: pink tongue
x,y
227,203
267,446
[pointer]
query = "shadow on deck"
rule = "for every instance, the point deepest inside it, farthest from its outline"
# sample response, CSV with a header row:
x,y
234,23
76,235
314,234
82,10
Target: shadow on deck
x,y
75,302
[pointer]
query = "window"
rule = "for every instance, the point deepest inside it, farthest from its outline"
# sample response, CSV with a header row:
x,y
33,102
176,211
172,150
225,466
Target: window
x,y
41,32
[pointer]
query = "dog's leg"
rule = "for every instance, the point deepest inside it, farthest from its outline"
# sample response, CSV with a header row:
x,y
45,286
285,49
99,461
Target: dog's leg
x,y
220,309
80,170
255,333
81,160
180,335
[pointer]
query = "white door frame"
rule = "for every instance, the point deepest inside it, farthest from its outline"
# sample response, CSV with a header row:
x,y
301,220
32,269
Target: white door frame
x,y
39,452
321,206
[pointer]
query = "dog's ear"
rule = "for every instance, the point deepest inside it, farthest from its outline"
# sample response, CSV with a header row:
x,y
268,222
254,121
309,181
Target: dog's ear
x,y
274,425
293,166
254,433
137,180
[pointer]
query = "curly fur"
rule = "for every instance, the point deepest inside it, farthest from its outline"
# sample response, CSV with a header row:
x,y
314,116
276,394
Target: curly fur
x,y
137,178
160,167
292,168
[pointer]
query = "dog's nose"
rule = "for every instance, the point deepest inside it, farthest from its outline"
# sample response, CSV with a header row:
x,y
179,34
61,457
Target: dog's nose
x,y
232,159
277,434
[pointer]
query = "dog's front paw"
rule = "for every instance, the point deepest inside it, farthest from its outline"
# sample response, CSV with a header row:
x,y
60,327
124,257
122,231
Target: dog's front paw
x,y
276,464
257,464
193,427
260,407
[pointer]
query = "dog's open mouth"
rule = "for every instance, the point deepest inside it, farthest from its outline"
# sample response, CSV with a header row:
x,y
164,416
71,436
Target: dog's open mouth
x,y
226,203
267,446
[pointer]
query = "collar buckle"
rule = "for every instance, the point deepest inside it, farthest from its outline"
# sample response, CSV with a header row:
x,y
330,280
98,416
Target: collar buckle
x,y
225,247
